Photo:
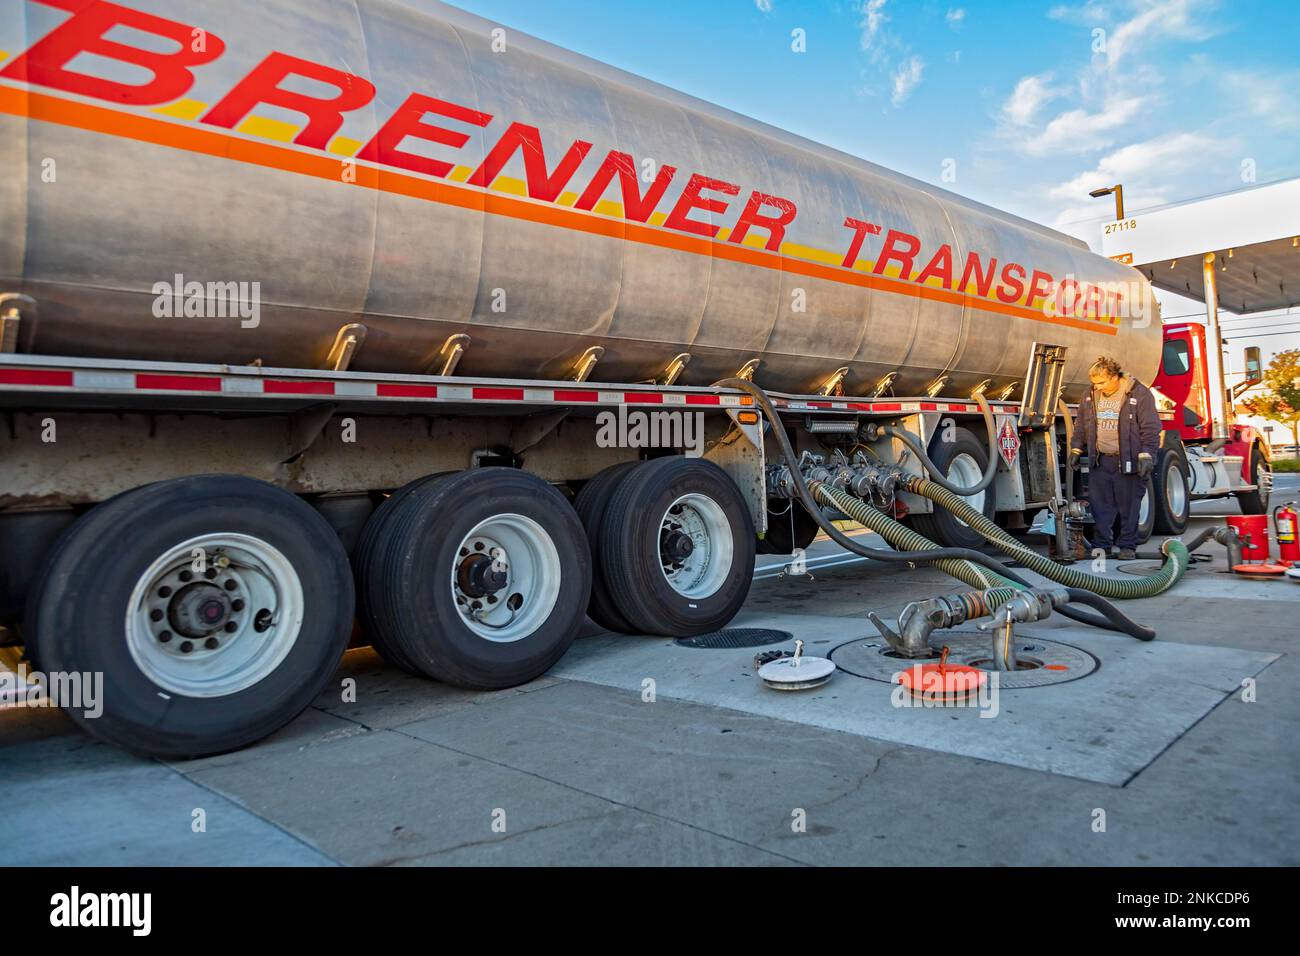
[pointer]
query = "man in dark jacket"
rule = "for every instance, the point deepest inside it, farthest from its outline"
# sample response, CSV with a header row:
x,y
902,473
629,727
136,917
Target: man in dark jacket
x,y
1118,426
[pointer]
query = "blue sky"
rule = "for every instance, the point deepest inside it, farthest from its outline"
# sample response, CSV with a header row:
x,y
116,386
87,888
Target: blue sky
x,y
1035,103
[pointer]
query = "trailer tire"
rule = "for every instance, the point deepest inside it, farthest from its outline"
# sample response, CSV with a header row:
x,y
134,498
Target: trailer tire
x,y
1171,486
427,556
1255,502
708,586
968,457
591,503
1147,512
159,699
367,580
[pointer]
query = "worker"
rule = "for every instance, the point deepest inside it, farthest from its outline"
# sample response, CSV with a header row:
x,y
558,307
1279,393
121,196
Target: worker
x,y
1118,426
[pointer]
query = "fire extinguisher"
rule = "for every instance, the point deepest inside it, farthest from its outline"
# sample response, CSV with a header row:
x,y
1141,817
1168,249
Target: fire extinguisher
x,y
1286,521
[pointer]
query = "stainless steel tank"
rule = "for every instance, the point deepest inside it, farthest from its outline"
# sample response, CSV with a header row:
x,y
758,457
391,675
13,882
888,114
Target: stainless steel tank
x,y
98,209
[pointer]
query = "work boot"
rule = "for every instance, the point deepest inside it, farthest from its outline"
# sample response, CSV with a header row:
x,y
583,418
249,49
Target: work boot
x,y
1127,554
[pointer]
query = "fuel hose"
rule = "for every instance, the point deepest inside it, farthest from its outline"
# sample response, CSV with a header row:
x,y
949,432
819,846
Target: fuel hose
x,y
934,471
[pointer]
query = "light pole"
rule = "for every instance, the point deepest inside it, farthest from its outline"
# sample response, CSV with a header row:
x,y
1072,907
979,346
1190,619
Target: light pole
x,y
1118,190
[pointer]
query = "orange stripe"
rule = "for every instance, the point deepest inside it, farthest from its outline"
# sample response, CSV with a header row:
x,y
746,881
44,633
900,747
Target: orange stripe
x,y
148,129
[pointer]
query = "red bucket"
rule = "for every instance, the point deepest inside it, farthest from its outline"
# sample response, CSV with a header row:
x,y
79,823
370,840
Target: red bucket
x,y
1253,530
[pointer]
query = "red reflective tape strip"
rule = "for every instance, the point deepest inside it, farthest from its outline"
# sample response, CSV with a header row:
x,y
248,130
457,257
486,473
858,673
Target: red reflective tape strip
x,y
499,394
178,383
568,396
819,405
34,376
929,407
276,386
887,407
703,399
644,398
406,391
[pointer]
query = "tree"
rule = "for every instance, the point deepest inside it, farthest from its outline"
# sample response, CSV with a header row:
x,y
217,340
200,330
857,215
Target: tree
x,y
1281,402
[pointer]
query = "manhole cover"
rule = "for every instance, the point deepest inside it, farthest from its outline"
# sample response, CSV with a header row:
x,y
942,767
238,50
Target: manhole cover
x,y
736,637
1042,662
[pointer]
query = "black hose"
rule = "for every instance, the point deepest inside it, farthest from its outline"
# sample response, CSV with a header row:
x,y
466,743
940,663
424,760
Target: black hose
x,y
1112,619
810,504
935,472
1111,614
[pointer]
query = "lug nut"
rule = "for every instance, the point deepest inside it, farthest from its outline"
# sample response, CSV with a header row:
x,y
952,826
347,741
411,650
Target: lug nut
x,y
186,576
232,627
237,605
212,643
186,647
231,584
164,591
164,636
210,573
155,615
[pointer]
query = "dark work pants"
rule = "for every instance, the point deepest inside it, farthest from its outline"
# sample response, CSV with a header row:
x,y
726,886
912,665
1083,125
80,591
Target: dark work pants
x,y
1116,498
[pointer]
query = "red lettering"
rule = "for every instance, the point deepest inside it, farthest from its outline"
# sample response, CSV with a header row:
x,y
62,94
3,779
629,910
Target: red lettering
x,y
541,185
775,225
635,206
860,231
1039,287
904,257
983,280
1095,298
691,199
940,266
1012,276
409,121
44,64
1060,297
262,85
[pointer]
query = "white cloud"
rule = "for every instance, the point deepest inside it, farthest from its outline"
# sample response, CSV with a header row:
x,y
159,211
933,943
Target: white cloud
x,y
1079,131
906,78
1089,12
764,6
1030,95
955,16
870,21
1158,21
1270,96
1153,160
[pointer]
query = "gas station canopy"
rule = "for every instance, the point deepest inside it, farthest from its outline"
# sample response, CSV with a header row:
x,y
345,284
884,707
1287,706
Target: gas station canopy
x,y
1253,233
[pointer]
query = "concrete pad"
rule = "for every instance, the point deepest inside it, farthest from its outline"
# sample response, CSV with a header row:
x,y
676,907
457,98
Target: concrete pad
x,y
386,798
69,801
1106,727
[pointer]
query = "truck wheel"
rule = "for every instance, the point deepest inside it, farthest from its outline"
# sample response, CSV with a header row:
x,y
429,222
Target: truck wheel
x,y
1255,502
677,547
214,607
1147,513
367,582
963,461
1170,485
788,528
481,579
591,503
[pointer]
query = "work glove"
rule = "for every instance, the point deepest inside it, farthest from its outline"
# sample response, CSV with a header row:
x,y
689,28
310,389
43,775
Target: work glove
x,y
1146,465
1072,460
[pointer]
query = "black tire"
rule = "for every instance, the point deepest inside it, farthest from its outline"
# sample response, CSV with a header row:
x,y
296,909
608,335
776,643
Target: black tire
x,y
940,526
1254,502
590,505
630,548
1171,473
417,551
87,588
788,528
368,583
1147,524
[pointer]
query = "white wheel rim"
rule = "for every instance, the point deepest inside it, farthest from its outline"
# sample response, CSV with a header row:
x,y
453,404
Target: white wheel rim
x,y
512,606
965,471
1144,509
702,522
214,615
1175,491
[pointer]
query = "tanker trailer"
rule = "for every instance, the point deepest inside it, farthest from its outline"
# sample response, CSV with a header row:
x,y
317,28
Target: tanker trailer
x,y
287,283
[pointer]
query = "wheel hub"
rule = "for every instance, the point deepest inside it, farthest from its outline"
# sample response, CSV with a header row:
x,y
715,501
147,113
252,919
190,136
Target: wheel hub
x,y
480,575
199,609
675,547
